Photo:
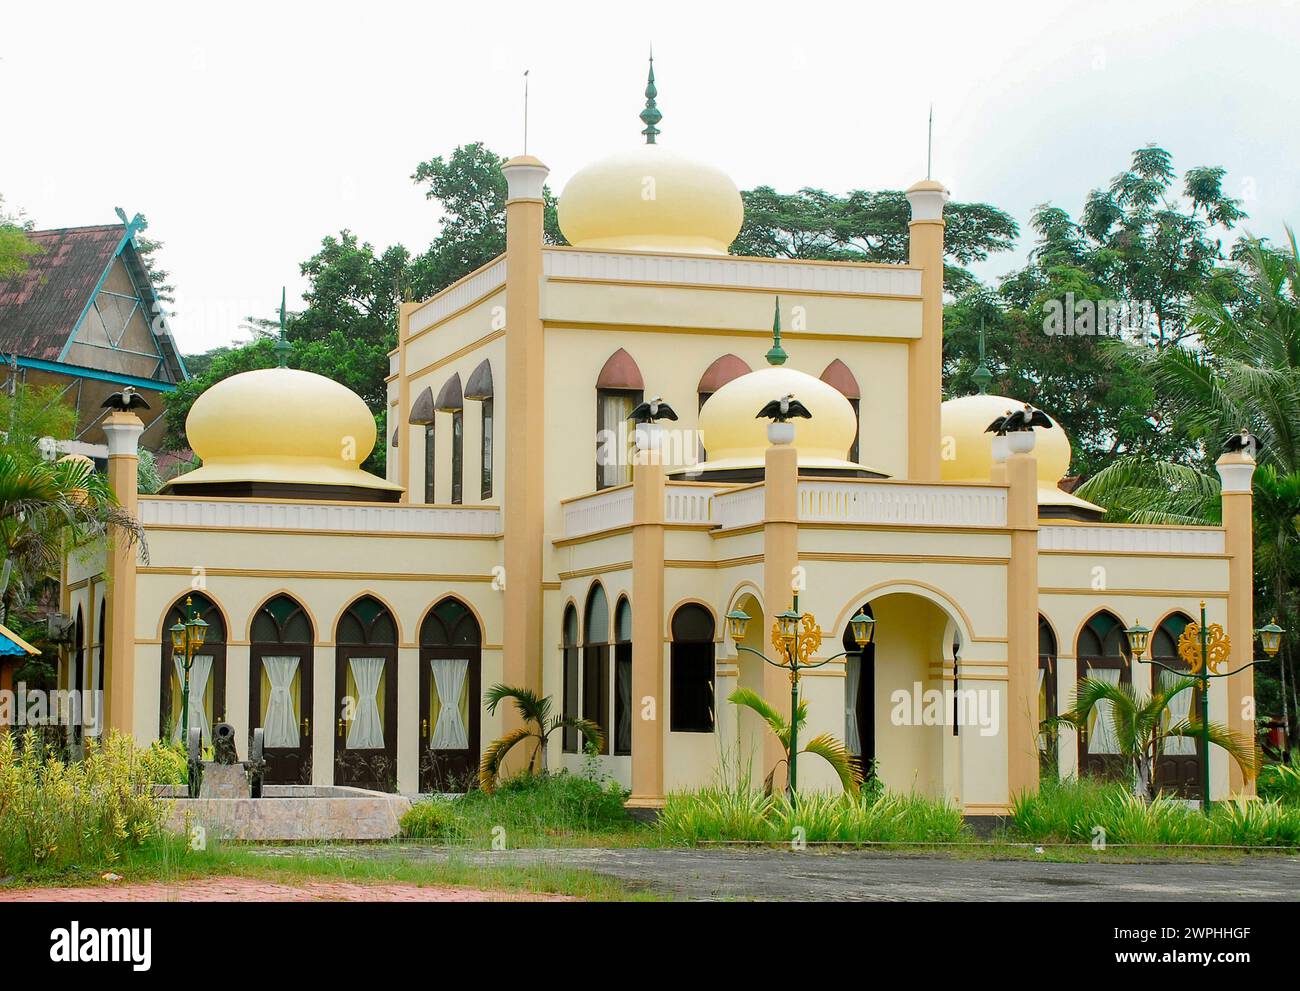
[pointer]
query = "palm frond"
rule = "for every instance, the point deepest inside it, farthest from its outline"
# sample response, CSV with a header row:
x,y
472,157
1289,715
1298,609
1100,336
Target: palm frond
x,y
532,707
495,753
590,730
1238,747
752,700
836,754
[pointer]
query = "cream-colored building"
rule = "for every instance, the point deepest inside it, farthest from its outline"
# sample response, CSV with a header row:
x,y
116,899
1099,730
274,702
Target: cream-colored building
x,y
358,620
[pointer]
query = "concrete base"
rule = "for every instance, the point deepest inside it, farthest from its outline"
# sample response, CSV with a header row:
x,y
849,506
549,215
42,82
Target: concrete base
x,y
224,781
291,812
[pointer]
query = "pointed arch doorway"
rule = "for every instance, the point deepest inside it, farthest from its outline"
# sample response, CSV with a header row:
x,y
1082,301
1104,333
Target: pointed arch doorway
x,y
451,654
280,689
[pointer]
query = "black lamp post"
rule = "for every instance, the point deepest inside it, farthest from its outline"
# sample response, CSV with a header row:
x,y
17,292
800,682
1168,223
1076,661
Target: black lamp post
x,y
1204,647
796,637
187,638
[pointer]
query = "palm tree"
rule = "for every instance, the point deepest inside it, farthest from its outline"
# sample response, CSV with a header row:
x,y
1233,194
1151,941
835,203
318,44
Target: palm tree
x,y
538,725
1246,373
1142,724
825,746
47,509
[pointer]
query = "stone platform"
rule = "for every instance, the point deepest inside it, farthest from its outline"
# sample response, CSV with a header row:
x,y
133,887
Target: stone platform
x,y
291,812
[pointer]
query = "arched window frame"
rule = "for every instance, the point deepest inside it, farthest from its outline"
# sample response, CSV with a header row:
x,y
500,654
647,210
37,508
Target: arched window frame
x,y
214,645
691,679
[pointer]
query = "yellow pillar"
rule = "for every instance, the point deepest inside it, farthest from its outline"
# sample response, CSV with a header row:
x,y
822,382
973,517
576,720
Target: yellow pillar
x,y
648,624
1235,473
780,558
524,521
925,354
405,449
1021,474
123,432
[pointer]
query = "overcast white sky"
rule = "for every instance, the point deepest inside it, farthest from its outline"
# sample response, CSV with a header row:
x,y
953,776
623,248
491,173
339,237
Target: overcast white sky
x,y
248,131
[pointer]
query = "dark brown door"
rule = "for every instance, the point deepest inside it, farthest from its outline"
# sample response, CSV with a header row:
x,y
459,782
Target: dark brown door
x,y
279,702
365,704
1103,654
1178,771
451,693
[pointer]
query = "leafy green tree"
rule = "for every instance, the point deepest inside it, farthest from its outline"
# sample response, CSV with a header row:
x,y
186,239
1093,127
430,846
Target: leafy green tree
x,y
16,248
867,227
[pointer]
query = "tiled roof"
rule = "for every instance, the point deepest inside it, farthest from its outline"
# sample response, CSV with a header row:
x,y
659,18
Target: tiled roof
x,y
39,308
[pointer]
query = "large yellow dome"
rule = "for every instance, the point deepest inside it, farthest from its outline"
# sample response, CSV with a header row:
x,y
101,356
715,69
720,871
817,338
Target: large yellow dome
x,y
736,441
968,449
281,427
650,199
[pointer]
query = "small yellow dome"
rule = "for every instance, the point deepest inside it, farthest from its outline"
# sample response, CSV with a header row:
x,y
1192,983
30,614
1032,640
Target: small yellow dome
x,y
651,200
967,450
736,440
281,426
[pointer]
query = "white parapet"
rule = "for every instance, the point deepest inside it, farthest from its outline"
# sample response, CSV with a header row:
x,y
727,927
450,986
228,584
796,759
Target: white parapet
x,y
218,514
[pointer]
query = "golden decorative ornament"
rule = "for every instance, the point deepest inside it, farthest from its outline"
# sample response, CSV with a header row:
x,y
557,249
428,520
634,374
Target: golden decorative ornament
x,y
1218,646
810,640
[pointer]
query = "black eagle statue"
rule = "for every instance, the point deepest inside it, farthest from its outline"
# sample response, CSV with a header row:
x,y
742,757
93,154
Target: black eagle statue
x,y
1019,420
652,411
126,400
1245,442
784,409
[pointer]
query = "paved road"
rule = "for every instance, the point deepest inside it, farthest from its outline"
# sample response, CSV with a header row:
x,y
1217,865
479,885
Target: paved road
x,y
710,874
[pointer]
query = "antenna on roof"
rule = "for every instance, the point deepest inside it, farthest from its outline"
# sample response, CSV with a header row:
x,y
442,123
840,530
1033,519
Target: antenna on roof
x,y
929,143
525,111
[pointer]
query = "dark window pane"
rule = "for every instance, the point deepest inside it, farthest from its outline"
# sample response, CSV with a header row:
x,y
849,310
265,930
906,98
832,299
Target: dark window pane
x,y
428,463
623,699
595,691
486,480
692,688
570,698
457,456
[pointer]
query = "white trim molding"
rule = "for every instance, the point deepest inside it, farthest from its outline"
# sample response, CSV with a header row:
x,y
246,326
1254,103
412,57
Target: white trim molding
x,y
1130,539
342,516
456,297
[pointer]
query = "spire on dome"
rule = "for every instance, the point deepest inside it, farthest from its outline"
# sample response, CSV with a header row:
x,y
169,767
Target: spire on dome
x,y
776,354
651,116
282,346
982,374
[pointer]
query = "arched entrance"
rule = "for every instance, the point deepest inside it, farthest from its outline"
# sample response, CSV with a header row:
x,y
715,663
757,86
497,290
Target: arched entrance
x,y
860,699
1047,742
450,697
750,728
207,673
1102,654
280,689
365,741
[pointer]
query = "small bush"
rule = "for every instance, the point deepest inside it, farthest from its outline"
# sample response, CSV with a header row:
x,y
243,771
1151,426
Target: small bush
x,y
165,763
1281,781
430,819
1072,811
56,814
530,808
738,812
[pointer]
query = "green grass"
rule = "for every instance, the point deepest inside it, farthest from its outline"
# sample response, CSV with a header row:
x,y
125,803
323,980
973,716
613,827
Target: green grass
x,y
738,813
1081,811
544,811
1281,781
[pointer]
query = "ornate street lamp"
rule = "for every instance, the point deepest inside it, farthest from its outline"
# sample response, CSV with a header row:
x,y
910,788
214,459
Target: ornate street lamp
x,y
1204,647
796,637
187,638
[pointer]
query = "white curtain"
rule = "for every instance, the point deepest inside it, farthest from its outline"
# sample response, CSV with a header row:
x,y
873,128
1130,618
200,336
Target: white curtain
x,y
1179,707
281,723
615,468
852,679
200,672
449,732
366,731
1102,738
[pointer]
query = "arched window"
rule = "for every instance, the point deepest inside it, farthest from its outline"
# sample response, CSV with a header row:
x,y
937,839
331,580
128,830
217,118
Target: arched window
x,y
718,374
1046,688
451,400
595,662
1102,653
365,745
570,635
79,670
691,679
207,672
860,698
619,389
1178,771
479,387
623,678
280,688
837,374
422,411
450,688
